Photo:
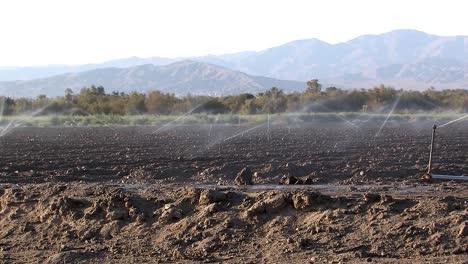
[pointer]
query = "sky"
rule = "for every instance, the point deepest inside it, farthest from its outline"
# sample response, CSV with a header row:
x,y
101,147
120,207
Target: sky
x,y
89,31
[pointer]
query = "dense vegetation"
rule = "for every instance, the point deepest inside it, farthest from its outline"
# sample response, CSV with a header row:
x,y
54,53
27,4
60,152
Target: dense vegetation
x,y
94,100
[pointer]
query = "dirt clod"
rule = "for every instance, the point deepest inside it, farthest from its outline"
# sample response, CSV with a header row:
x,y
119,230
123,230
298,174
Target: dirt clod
x,y
244,177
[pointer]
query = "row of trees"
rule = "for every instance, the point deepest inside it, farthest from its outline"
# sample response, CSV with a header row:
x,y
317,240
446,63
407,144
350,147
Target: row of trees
x,y
94,100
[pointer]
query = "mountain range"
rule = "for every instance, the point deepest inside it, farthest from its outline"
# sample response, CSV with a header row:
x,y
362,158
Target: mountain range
x,y
406,59
181,78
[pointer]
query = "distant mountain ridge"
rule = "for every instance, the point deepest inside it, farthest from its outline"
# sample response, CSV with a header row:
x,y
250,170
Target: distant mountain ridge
x,y
37,72
180,78
407,59
397,55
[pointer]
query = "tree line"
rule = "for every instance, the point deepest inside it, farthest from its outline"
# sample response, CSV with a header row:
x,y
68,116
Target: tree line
x,y
94,100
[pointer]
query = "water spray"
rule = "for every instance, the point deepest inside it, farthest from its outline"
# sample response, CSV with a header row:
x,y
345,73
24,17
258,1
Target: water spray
x,y
5,130
209,131
16,123
243,132
177,119
388,116
106,125
268,129
337,115
453,121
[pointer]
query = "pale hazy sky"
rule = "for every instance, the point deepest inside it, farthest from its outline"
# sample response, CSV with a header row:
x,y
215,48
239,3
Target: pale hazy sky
x,y
42,32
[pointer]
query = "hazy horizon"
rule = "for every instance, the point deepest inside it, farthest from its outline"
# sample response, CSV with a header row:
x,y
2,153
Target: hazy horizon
x,y
55,32
188,57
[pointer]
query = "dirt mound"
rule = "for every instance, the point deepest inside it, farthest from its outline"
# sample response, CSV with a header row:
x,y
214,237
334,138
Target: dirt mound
x,y
93,223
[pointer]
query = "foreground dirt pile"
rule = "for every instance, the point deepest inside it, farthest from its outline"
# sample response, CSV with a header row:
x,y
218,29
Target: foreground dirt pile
x,y
133,223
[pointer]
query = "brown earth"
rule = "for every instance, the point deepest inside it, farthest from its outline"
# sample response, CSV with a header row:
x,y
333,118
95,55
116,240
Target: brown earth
x,y
120,195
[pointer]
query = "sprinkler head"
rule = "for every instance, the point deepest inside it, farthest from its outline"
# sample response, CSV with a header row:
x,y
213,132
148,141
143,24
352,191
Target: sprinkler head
x,y
426,177
434,127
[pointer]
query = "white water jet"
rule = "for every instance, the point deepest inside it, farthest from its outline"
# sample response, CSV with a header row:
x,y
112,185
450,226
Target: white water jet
x,y
245,131
168,125
268,129
453,121
14,124
388,116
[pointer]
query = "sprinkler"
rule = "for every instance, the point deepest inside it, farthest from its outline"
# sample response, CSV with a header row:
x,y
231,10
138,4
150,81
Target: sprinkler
x,y
428,176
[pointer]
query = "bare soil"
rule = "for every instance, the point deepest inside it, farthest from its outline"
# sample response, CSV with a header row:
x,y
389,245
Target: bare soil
x,y
126,194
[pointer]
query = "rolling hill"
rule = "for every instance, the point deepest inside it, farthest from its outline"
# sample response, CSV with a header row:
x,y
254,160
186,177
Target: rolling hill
x,y
180,78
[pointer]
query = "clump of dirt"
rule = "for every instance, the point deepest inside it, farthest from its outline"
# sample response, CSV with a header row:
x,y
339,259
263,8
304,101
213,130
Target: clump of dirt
x,y
291,180
133,223
244,177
